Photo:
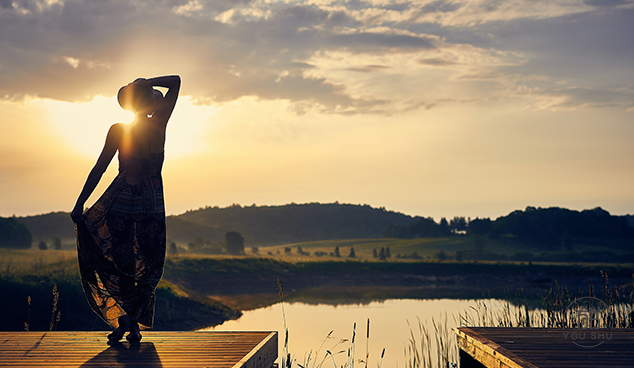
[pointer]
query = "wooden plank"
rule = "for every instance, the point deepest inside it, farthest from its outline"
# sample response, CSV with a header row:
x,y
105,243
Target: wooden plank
x,y
259,356
252,349
542,347
488,352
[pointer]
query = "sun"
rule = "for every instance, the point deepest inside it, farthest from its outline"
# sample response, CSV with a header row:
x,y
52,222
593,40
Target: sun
x,y
84,125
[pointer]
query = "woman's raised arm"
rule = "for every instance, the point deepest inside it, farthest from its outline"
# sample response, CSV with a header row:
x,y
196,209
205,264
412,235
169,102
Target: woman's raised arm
x,y
173,84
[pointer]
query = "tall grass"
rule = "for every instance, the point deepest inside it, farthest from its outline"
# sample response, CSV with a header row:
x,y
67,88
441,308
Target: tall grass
x,y
433,344
337,348
55,317
557,308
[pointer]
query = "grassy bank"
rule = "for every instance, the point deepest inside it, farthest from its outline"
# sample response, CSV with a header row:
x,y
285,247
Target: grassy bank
x,y
217,266
28,288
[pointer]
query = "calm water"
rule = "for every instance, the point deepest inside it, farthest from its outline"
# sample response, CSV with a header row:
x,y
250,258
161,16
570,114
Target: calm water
x,y
309,324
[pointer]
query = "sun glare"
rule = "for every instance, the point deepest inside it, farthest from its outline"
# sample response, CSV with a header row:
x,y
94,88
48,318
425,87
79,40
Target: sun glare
x,y
84,125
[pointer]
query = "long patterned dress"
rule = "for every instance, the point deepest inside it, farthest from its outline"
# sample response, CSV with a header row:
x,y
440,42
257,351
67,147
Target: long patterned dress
x,y
121,244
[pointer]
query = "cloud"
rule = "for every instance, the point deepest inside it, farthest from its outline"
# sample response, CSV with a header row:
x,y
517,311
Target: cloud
x,y
459,13
76,50
190,8
571,98
610,3
224,50
437,62
368,68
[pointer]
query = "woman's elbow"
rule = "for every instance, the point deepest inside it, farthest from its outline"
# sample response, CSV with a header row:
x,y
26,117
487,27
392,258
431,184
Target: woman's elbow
x,y
174,80
98,170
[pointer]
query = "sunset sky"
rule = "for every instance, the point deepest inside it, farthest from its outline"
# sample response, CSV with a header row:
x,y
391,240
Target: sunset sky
x,y
431,108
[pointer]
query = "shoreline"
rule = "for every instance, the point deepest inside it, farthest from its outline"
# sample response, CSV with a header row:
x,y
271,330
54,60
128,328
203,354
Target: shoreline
x,y
247,284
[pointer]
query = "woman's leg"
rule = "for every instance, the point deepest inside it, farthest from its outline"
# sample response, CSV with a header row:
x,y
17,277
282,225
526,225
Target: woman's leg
x,y
135,333
124,325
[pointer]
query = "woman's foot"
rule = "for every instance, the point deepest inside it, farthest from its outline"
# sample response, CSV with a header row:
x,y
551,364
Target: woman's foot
x,y
124,325
135,333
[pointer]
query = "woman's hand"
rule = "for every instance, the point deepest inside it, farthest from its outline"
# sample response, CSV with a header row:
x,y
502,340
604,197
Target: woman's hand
x,y
76,213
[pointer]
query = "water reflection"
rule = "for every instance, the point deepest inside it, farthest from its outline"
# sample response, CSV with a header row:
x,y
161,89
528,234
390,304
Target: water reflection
x,y
362,295
390,321
126,355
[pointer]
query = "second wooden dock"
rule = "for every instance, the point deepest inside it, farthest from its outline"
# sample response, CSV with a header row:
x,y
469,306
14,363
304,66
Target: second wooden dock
x,y
545,347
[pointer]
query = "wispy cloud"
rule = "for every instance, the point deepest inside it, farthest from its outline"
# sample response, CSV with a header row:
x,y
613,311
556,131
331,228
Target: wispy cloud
x,y
342,57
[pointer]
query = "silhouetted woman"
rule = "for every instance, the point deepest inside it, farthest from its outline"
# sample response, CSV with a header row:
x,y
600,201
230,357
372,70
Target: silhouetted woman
x,y
121,238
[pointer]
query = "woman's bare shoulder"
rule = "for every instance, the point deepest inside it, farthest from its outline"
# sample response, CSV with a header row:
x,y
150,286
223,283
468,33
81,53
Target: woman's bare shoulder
x,y
116,132
117,127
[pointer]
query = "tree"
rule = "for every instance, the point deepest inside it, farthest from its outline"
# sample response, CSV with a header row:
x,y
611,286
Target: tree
x,y
458,224
352,254
172,249
443,227
337,254
57,243
255,250
234,243
441,255
196,245
382,254
479,226
387,253
374,254
42,245
14,234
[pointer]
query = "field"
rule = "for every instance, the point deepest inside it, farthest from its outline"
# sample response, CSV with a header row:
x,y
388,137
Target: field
x,y
401,250
425,249
20,257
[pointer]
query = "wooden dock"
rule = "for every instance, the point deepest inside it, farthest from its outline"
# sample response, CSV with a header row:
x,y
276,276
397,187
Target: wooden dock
x,y
544,347
212,349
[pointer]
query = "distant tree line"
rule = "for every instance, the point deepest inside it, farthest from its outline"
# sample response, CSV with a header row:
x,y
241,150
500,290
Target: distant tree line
x,y
554,227
205,229
549,228
14,234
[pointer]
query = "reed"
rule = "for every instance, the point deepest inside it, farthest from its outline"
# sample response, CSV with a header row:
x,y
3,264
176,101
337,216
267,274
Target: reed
x,y
286,359
434,343
341,346
557,308
55,314
27,324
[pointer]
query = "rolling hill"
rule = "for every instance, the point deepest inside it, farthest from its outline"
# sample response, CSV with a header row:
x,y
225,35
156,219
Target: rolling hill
x,y
260,225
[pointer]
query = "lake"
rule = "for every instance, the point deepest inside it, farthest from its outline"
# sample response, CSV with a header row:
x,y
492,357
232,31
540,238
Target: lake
x,y
310,324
